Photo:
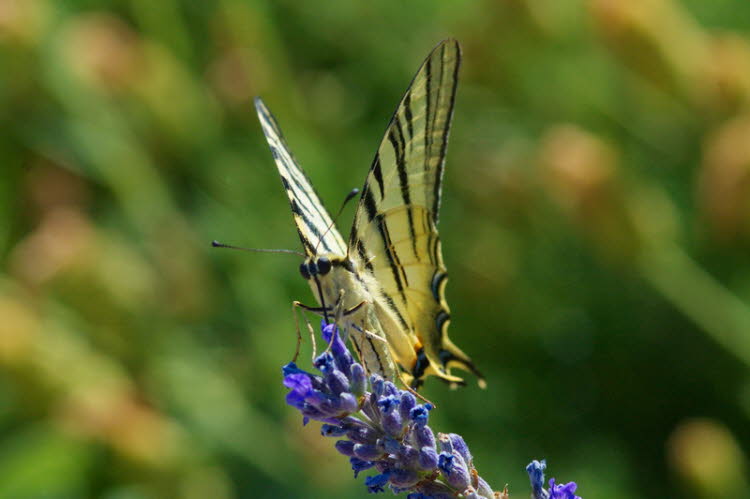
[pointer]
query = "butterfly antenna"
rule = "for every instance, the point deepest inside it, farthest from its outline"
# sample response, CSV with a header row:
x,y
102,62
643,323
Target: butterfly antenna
x,y
348,198
217,244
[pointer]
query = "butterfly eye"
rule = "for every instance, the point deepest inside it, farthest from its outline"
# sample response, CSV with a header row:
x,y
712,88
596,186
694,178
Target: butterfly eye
x,y
304,271
324,265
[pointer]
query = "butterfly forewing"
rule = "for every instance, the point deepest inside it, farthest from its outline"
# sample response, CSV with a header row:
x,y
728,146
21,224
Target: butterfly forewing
x,y
321,239
314,224
395,233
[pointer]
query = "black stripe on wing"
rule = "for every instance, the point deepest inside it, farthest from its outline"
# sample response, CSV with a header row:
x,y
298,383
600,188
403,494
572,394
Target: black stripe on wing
x,y
444,141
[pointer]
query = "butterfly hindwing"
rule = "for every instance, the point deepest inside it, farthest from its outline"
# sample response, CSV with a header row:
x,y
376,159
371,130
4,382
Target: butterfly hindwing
x,y
395,228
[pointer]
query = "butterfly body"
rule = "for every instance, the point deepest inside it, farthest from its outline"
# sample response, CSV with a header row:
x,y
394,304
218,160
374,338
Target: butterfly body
x,y
385,286
342,290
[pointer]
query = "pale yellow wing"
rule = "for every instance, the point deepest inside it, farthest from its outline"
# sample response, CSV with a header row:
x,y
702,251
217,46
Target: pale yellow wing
x,y
395,236
314,224
321,239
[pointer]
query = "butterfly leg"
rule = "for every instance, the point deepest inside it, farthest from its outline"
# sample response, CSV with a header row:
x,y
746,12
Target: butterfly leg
x,y
315,310
354,308
411,390
370,334
359,344
338,313
296,306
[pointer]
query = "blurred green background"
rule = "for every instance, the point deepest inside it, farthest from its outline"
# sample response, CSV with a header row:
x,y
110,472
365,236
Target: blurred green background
x,y
596,224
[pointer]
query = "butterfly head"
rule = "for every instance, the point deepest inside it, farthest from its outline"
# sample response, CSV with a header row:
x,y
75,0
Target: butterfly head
x,y
320,266
327,275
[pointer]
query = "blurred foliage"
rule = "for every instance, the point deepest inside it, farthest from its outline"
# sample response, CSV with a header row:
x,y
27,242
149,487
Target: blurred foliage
x,y
596,222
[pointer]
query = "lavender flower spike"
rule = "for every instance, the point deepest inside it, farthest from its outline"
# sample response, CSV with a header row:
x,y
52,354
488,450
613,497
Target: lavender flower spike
x,y
380,427
535,469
